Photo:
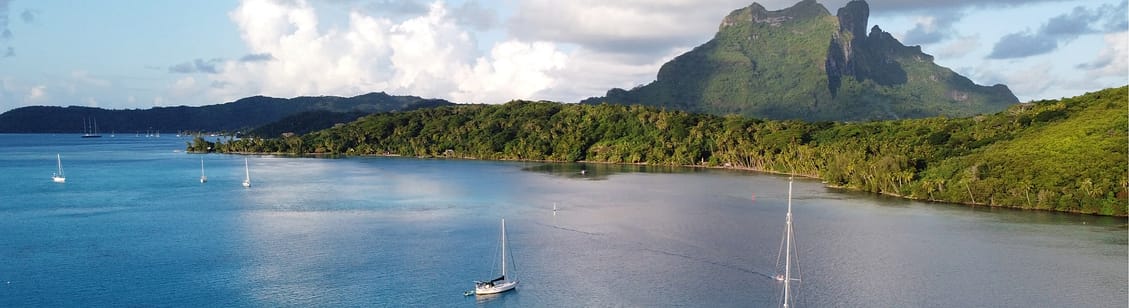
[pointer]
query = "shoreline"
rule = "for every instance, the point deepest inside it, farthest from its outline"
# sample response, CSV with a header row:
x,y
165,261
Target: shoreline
x,y
743,169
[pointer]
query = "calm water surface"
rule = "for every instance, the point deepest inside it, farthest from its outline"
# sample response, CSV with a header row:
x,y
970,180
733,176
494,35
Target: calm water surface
x,y
134,227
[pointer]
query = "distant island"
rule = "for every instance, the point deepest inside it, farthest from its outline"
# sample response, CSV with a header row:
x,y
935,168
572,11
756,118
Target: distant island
x,y
241,115
1066,155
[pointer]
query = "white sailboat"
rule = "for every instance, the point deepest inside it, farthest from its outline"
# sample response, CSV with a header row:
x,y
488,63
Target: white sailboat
x,y
247,170
90,131
787,248
500,284
58,176
203,178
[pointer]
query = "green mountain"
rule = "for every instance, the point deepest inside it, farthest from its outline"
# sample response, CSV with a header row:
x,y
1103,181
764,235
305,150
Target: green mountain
x,y
243,114
1065,155
804,63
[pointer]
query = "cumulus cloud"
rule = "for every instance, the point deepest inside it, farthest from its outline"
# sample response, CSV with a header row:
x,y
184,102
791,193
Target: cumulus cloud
x,y
646,28
428,55
37,93
1062,28
1113,60
960,47
591,73
1024,82
932,29
514,65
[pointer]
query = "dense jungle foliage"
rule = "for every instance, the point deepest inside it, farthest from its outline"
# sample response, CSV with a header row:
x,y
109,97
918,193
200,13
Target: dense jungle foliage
x,y
1066,155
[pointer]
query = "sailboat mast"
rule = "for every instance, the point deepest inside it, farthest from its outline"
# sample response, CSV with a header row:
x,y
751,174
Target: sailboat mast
x,y
788,249
59,161
503,247
201,167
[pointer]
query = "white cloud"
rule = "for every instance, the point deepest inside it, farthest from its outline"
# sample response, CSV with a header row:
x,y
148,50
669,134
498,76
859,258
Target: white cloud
x,y
37,93
1026,83
590,73
513,70
632,26
428,55
959,47
184,86
1113,60
91,102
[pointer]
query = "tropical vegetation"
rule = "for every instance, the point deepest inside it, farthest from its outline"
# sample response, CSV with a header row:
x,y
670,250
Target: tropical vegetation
x,y
1066,155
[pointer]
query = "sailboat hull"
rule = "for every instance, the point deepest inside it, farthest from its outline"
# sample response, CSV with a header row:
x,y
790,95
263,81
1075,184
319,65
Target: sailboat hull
x,y
496,288
59,179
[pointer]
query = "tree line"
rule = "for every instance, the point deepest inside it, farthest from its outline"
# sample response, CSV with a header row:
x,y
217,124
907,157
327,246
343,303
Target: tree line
x,y
1066,155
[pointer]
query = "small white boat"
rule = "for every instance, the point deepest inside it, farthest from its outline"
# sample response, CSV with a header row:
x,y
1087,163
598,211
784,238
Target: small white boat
x,y
58,176
247,170
500,284
203,178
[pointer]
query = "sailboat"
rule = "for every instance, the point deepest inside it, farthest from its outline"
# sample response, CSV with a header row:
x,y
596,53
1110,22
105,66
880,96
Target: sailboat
x,y
787,249
203,178
91,131
246,169
500,284
58,176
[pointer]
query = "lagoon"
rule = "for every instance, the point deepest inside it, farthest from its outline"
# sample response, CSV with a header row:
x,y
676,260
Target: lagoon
x,y
133,226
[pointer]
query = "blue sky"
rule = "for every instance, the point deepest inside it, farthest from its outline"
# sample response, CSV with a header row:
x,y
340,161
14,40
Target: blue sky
x,y
139,54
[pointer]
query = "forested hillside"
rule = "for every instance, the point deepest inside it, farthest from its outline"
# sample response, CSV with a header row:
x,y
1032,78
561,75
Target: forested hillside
x,y
804,63
1064,155
242,114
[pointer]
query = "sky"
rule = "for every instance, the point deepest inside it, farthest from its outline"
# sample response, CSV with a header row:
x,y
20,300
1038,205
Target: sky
x,y
125,54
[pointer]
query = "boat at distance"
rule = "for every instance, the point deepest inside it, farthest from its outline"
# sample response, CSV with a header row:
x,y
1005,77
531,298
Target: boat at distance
x,y
90,131
58,176
203,178
247,171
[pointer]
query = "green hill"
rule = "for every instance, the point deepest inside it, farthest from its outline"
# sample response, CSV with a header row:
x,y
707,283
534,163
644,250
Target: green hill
x,y
1067,155
804,63
242,114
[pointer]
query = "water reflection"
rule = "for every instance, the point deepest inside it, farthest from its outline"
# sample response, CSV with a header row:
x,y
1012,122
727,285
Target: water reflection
x,y
598,172
409,232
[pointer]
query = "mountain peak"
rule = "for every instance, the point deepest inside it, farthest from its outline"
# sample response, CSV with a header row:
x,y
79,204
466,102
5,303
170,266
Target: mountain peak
x,y
803,63
758,14
853,18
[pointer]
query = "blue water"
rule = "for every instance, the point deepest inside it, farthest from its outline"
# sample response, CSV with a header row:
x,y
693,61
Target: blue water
x,y
134,227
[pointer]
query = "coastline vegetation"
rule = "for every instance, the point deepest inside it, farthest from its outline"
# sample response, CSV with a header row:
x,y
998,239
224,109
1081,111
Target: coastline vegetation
x,y
1068,155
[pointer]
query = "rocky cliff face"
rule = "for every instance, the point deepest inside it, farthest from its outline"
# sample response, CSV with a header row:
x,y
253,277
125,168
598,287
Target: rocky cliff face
x,y
803,63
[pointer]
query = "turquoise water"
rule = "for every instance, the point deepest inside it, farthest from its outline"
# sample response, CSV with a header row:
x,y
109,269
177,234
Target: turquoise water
x,y
134,227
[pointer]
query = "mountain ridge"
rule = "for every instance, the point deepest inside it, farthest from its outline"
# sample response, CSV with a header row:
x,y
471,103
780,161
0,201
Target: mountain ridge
x,y
801,62
242,114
